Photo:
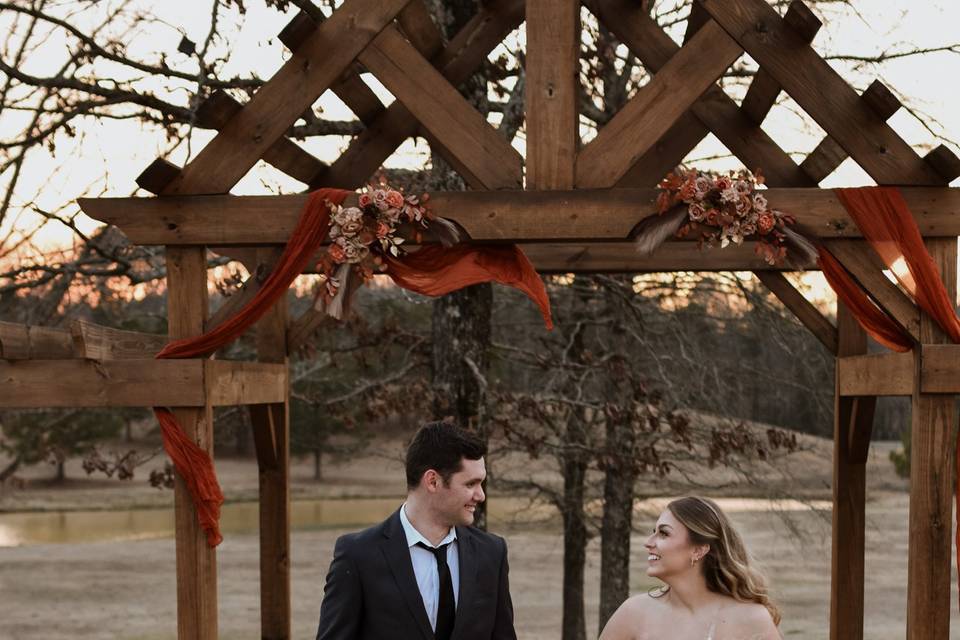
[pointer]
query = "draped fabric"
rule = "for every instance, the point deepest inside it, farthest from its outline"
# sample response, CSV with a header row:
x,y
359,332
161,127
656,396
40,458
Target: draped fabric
x,y
194,464
432,271
882,215
435,271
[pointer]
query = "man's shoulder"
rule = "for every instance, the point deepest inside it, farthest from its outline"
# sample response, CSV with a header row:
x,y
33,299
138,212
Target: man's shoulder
x,y
365,537
486,540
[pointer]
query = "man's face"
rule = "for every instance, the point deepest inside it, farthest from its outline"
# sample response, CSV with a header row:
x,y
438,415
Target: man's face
x,y
457,501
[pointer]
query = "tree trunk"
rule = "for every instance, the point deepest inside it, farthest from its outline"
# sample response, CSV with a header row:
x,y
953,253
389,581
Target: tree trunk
x,y
61,471
9,470
574,533
317,464
617,525
461,320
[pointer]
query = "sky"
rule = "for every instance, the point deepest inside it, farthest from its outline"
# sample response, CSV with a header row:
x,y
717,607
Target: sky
x,y
107,156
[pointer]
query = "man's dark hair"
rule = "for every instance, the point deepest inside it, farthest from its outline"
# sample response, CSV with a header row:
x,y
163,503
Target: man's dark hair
x,y
441,446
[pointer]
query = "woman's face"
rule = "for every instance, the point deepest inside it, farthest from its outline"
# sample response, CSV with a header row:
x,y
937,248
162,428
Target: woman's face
x,y
669,548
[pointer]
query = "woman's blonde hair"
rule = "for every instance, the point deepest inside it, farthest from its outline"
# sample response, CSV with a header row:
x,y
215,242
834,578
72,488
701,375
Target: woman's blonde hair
x,y
727,565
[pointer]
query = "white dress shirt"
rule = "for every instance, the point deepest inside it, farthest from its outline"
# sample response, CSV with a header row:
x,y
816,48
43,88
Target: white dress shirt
x,y
425,566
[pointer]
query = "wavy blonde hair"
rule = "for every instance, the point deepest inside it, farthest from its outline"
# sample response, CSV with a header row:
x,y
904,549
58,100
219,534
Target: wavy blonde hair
x,y
727,565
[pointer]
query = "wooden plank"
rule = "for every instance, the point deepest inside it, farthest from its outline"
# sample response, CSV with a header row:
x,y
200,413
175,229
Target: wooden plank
x,y
196,561
852,415
828,155
880,374
158,175
239,383
284,154
240,299
802,308
940,368
271,424
666,154
552,92
864,265
714,109
933,419
442,111
88,383
465,52
764,89
579,214
821,92
317,64
656,107
944,162
26,342
97,342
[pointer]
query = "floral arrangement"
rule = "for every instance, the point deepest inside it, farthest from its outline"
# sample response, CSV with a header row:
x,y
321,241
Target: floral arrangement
x,y
723,209
362,236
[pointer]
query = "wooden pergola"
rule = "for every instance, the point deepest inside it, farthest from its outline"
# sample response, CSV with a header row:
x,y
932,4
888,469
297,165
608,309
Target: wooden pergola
x,y
593,195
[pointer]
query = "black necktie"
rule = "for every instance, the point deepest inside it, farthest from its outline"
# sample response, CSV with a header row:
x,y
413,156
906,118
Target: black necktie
x,y
446,605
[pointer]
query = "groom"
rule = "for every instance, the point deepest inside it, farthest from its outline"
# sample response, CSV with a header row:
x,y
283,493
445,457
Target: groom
x,y
424,573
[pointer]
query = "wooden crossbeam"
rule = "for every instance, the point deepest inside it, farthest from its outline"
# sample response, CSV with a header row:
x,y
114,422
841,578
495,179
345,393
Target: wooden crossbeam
x,y
516,216
96,342
858,258
717,112
764,89
940,368
881,374
146,382
655,107
821,92
442,111
828,154
465,52
29,342
622,257
320,60
809,315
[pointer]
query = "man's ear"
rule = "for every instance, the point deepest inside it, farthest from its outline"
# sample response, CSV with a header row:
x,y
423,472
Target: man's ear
x,y
431,480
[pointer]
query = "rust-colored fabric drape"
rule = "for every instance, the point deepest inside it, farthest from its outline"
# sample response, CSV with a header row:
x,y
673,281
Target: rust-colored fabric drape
x,y
431,271
436,270
882,215
871,317
193,464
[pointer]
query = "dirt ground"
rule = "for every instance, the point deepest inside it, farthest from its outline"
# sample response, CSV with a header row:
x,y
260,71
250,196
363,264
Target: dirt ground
x,y
126,589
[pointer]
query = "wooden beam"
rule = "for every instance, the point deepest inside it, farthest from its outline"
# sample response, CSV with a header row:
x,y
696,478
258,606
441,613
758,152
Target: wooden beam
x,y
879,374
580,214
656,107
271,428
666,154
465,52
933,420
714,109
802,308
319,61
196,561
96,342
31,342
940,368
622,257
76,382
821,92
864,265
552,92
853,418
440,109
828,154
764,89
240,383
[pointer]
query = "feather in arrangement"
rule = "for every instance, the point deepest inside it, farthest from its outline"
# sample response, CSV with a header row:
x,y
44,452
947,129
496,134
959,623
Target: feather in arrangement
x,y
654,230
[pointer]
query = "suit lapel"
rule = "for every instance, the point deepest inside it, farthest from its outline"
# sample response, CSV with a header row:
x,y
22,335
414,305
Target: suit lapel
x,y
398,557
469,566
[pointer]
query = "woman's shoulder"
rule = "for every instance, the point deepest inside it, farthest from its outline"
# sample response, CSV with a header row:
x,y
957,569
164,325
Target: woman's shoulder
x,y
748,620
632,617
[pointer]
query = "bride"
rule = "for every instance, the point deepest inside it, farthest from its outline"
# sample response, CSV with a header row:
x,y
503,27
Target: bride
x,y
711,592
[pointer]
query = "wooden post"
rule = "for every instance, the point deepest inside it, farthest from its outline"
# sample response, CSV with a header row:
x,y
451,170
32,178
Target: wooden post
x,y
196,562
933,418
853,421
271,430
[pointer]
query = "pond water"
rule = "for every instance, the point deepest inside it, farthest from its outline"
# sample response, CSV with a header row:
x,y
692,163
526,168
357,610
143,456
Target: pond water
x,y
53,527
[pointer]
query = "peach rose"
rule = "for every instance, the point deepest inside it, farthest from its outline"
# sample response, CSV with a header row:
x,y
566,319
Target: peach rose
x,y
337,253
766,222
365,200
394,199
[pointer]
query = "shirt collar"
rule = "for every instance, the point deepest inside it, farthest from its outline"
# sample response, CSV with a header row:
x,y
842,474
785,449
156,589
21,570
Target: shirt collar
x,y
414,536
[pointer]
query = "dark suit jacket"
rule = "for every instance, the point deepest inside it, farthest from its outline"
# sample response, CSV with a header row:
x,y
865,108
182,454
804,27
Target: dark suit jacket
x,y
371,592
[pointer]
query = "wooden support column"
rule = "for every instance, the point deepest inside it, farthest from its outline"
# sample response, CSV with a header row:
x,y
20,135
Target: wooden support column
x,y
271,430
196,562
853,422
933,419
